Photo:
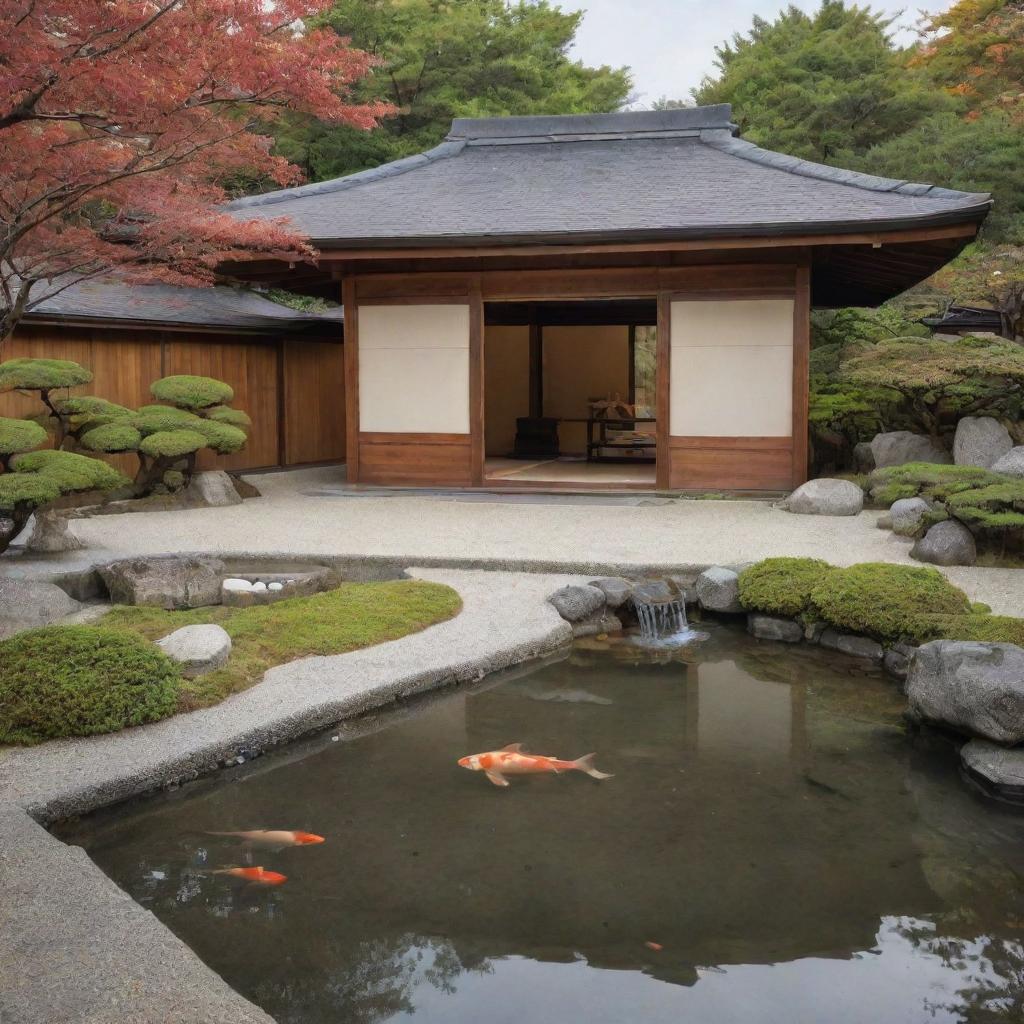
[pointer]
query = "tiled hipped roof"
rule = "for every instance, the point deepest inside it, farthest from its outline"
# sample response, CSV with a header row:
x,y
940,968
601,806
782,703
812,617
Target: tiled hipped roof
x,y
631,176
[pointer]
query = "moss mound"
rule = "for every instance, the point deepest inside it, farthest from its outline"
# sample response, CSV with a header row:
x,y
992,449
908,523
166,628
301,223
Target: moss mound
x,y
190,392
929,480
781,586
81,680
886,601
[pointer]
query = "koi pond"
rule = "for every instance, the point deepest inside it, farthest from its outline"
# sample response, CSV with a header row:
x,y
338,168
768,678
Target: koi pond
x,y
772,848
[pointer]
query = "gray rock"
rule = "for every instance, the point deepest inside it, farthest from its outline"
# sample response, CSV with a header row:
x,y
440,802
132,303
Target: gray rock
x,y
980,441
1012,463
595,625
825,497
813,631
616,590
718,590
575,603
211,490
51,535
971,687
770,627
897,447
906,515
946,543
884,521
998,769
850,643
863,457
897,660
653,592
199,649
164,582
25,605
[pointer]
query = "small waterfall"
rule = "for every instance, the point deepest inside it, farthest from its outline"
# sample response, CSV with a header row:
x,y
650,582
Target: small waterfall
x,y
662,619
662,615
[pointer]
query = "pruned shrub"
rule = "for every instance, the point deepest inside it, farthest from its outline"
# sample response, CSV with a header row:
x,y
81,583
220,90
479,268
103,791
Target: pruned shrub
x,y
42,375
110,438
18,436
189,392
172,444
886,601
929,480
998,506
781,586
81,680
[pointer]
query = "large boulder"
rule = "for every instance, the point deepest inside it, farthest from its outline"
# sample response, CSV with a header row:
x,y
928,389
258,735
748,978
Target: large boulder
x,y
214,489
575,603
946,543
718,590
897,447
164,582
863,457
998,769
969,686
980,441
198,649
25,604
906,514
825,497
852,644
50,534
1012,463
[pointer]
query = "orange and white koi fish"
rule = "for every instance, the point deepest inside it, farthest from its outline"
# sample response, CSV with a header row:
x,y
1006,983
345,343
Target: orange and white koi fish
x,y
275,838
258,875
511,760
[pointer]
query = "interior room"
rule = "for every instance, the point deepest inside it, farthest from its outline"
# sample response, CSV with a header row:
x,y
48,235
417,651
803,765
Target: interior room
x,y
569,393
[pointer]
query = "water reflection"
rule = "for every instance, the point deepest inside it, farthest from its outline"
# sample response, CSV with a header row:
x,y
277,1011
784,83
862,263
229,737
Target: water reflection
x,y
769,826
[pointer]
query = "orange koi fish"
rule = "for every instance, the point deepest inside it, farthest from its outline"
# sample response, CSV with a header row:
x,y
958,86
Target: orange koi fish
x,y
511,760
277,839
258,875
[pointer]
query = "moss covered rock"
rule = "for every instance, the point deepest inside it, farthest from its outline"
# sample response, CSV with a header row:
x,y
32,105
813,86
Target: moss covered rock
x,y
781,586
188,392
885,601
81,680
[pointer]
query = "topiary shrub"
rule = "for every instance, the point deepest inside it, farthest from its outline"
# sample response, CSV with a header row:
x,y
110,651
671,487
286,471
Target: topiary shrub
x,y
117,436
172,444
18,436
232,417
929,480
885,601
998,506
189,392
81,680
781,586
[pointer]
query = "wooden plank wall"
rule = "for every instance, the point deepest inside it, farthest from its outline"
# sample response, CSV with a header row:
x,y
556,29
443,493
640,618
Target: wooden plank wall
x,y
294,391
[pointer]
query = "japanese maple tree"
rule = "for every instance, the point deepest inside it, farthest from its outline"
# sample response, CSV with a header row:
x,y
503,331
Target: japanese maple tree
x,y
123,123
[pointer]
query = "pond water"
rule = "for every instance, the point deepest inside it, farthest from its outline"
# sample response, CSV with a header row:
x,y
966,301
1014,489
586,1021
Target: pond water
x,y
772,848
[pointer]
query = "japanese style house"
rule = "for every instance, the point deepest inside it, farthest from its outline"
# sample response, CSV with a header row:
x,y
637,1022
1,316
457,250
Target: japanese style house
x,y
632,286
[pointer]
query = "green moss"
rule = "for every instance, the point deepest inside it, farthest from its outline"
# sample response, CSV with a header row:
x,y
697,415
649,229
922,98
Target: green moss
x,y
173,480
189,392
885,601
232,417
153,418
996,506
26,488
975,626
221,437
80,680
781,586
41,374
69,471
19,436
172,443
352,616
928,480
112,437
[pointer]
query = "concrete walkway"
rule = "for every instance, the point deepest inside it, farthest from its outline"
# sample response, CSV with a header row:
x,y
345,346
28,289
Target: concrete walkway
x,y
312,513
74,948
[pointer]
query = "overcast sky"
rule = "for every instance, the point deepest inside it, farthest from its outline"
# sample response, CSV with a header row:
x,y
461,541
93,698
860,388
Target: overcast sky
x,y
670,44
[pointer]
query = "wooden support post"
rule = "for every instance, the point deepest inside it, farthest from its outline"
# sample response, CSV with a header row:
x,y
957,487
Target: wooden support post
x,y
662,390
536,365
351,327
801,371
477,446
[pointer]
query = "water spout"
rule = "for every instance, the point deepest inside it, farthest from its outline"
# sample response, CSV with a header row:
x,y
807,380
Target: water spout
x,y
662,616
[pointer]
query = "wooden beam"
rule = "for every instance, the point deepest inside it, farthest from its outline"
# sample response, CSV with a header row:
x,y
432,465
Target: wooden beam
x,y
536,365
476,383
662,392
678,245
348,298
801,372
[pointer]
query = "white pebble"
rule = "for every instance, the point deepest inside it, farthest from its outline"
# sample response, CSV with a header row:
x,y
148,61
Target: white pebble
x,y
259,587
236,584
275,586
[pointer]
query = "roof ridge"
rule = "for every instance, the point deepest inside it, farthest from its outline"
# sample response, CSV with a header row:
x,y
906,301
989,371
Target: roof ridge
x,y
724,141
392,169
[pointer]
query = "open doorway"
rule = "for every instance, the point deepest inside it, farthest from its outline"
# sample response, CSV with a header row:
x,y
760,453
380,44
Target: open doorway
x,y
569,394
